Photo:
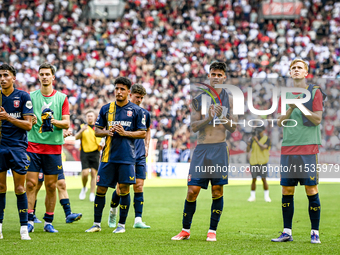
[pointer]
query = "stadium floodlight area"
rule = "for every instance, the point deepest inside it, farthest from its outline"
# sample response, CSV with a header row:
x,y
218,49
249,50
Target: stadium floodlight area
x,y
106,9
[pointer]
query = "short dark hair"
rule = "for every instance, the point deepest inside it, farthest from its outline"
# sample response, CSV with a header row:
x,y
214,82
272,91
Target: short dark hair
x,y
124,81
260,129
9,68
47,66
218,66
139,89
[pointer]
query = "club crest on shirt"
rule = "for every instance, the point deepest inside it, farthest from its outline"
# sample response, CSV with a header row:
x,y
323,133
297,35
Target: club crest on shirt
x,y
16,103
129,113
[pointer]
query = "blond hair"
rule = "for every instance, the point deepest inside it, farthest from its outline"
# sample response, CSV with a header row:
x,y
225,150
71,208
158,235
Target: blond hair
x,y
296,61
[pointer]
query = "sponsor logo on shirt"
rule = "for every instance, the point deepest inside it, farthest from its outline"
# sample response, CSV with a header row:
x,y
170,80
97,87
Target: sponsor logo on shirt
x,y
16,115
123,123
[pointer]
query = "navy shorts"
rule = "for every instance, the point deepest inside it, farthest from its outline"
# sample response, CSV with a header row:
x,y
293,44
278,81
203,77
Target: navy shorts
x,y
15,159
111,173
42,176
209,164
299,168
141,169
50,164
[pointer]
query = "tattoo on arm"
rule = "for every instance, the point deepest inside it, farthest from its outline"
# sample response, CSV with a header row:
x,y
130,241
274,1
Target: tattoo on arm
x,y
197,123
201,135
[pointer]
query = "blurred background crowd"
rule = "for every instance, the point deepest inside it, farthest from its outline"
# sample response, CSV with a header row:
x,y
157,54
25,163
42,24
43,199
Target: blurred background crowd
x,y
165,45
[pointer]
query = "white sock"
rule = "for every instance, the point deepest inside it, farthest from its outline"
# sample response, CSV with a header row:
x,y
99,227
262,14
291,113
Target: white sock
x,y
253,193
23,229
0,227
113,210
315,231
266,193
186,230
96,224
138,219
212,231
121,225
46,223
287,231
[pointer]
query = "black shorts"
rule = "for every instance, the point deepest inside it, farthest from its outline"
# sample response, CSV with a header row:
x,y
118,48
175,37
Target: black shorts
x,y
258,170
89,159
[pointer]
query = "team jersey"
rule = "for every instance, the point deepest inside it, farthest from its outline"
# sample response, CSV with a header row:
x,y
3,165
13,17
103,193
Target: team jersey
x,y
18,104
307,149
139,143
120,149
46,147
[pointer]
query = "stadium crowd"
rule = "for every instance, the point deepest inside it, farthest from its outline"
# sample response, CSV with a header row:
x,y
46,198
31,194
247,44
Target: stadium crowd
x,y
164,45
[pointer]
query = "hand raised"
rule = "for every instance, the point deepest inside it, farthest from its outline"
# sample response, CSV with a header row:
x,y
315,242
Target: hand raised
x,y
211,112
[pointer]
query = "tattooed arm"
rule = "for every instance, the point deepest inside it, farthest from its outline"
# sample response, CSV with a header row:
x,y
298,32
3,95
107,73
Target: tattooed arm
x,y
198,123
201,136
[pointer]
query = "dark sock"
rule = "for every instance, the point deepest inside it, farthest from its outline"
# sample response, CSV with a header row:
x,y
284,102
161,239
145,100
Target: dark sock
x,y
138,202
65,203
2,206
115,200
124,207
35,206
99,204
31,216
188,213
216,211
314,211
22,208
48,217
287,210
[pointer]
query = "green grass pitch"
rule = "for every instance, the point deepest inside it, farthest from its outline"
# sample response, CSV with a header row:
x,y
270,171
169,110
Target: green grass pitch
x,y
245,228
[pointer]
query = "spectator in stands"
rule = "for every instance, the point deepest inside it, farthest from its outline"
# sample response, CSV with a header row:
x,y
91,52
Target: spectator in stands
x,y
161,44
